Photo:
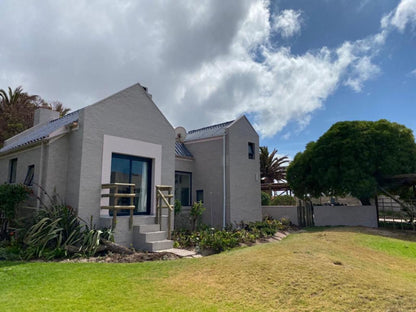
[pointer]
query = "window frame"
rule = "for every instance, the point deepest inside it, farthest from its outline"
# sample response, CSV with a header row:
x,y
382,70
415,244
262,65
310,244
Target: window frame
x,y
251,150
183,173
30,174
200,196
149,182
12,170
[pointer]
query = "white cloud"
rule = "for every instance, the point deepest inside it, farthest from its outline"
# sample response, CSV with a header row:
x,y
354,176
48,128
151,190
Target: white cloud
x,y
403,15
287,23
413,73
199,60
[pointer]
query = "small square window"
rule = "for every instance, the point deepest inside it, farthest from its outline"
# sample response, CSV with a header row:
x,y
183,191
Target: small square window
x,y
12,170
200,196
29,175
251,150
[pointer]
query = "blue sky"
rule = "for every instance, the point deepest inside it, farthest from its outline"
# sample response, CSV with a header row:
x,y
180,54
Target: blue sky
x,y
389,94
294,67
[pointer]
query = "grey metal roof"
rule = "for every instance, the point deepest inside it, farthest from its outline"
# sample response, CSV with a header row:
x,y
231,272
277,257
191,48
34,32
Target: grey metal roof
x,y
208,132
182,151
35,134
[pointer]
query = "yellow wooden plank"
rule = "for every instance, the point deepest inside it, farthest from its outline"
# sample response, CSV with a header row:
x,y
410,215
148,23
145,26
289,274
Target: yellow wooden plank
x,y
113,185
118,195
118,207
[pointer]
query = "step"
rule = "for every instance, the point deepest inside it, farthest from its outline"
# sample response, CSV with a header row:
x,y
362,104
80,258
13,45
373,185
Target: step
x,y
144,228
149,237
158,245
140,220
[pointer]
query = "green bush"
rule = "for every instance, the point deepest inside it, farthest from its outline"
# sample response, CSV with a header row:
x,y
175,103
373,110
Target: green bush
x,y
196,212
11,195
265,199
56,231
177,206
220,240
283,200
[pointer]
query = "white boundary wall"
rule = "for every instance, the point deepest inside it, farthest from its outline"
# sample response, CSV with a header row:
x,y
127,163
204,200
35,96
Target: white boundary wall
x,y
345,215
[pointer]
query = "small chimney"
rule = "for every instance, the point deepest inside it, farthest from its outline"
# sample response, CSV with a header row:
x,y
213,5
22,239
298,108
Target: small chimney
x,y
147,91
44,115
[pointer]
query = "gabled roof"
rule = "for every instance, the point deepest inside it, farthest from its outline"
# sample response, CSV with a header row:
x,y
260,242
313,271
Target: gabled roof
x,y
40,132
182,151
208,132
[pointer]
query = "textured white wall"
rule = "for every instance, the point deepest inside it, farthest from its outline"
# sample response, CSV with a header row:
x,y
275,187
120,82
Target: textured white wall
x,y
345,215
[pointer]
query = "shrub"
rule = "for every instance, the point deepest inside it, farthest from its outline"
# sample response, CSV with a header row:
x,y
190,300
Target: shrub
x,y
56,231
265,199
196,212
220,240
284,200
177,206
11,195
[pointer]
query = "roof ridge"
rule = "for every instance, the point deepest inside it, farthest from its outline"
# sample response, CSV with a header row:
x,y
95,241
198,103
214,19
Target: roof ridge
x,y
64,116
220,125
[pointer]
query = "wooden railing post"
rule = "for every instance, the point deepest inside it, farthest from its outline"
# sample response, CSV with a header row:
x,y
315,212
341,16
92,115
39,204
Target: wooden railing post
x,y
169,213
164,201
116,195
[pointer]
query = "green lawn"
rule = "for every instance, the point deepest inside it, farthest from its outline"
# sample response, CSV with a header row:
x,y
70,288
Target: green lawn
x,y
339,269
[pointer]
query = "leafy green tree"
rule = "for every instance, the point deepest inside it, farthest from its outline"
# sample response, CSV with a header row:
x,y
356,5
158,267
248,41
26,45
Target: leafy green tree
x,y
17,110
11,195
272,167
353,157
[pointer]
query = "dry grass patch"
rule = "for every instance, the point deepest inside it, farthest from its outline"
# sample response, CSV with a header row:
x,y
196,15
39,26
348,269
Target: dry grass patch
x,y
329,270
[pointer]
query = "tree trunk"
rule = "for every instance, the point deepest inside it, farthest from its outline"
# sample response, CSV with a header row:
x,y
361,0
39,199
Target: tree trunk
x,y
116,248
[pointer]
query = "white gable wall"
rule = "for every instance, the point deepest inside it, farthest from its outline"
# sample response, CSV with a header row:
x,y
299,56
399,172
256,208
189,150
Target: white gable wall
x,y
243,174
129,114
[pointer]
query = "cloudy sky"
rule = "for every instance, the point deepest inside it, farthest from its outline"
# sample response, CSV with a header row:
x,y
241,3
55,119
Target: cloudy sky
x,y
293,67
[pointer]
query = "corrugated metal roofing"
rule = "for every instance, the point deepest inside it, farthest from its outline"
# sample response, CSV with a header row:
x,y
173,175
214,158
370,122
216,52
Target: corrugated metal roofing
x,y
208,132
41,132
181,150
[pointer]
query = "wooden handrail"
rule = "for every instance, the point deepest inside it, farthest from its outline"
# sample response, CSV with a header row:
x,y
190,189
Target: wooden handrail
x,y
116,195
166,199
113,185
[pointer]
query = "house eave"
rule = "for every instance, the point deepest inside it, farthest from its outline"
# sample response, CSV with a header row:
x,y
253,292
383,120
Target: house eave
x,y
205,140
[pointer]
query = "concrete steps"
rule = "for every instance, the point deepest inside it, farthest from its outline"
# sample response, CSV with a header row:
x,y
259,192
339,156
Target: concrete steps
x,y
145,235
149,237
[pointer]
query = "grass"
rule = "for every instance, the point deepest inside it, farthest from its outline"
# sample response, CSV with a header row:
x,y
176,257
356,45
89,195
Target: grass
x,y
329,269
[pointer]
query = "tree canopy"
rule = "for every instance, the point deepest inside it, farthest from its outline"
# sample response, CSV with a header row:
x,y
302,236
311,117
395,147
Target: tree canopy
x,y
17,110
353,157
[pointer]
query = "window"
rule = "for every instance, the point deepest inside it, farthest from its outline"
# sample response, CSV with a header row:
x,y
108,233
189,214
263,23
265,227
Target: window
x,y
137,170
200,196
29,175
12,170
251,150
183,182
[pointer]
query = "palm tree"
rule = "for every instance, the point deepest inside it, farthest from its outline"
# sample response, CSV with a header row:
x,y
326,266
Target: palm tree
x,y
16,112
56,106
271,166
59,107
